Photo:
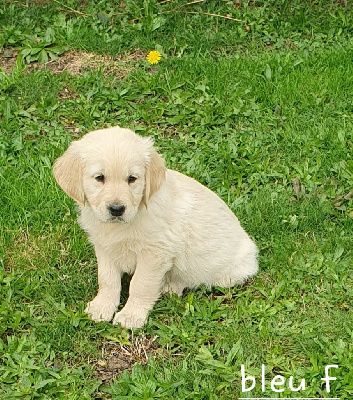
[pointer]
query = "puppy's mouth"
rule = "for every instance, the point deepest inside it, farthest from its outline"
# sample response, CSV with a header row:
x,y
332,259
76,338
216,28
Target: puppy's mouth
x,y
114,220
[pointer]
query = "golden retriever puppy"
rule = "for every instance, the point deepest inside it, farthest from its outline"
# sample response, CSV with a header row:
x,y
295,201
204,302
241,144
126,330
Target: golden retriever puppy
x,y
164,228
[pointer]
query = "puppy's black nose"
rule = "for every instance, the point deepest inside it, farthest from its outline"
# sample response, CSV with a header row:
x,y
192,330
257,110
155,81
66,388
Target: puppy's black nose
x,y
116,210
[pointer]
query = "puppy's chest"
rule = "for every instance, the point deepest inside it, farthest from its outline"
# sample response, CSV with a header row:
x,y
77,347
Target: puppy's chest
x,y
124,251
125,254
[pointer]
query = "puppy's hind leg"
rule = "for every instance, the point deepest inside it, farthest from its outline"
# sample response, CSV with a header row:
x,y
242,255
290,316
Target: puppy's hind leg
x,y
172,285
245,265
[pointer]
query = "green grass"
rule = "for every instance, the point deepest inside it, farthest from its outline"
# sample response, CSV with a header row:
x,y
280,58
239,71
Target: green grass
x,y
245,113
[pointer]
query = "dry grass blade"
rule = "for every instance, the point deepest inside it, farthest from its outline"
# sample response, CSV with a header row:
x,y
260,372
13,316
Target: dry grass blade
x,y
190,4
209,14
349,195
296,186
68,9
73,11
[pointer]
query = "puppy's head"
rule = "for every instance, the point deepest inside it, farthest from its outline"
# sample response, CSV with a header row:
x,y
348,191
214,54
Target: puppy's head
x,y
113,171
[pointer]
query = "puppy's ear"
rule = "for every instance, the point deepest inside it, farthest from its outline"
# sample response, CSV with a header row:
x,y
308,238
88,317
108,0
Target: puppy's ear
x,y
154,176
67,171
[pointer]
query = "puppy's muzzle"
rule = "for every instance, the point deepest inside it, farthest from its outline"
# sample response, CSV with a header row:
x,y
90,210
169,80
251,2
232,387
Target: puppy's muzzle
x,y
116,210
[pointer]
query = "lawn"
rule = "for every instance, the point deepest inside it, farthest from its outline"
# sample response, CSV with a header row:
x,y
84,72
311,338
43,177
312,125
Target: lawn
x,y
257,106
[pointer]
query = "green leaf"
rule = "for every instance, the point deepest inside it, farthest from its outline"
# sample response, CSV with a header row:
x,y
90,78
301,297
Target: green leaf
x,y
25,52
43,57
233,352
268,73
103,18
52,55
58,49
157,22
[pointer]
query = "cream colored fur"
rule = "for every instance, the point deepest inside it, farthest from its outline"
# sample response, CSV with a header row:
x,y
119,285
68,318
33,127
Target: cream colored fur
x,y
174,233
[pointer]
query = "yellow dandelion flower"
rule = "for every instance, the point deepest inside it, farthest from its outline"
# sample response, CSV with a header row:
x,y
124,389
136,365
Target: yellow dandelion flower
x,y
154,57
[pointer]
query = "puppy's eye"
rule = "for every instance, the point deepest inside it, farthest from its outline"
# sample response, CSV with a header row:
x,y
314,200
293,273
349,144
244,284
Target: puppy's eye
x,y
99,178
131,179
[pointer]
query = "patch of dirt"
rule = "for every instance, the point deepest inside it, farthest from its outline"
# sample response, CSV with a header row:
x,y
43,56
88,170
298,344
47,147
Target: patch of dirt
x,y
117,358
76,62
8,59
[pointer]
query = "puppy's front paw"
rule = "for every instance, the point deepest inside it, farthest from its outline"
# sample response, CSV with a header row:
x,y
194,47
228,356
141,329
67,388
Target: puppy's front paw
x,y
127,319
100,309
